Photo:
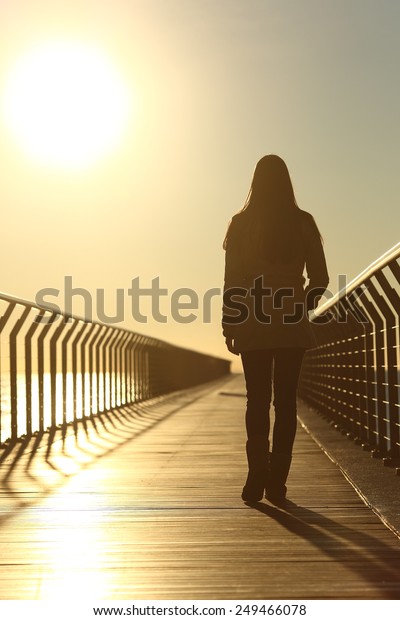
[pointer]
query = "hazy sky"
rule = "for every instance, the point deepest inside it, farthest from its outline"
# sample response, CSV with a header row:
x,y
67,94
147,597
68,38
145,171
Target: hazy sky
x,y
216,85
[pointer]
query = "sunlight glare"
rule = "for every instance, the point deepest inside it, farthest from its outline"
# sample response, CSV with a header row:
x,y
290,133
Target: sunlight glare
x,y
66,104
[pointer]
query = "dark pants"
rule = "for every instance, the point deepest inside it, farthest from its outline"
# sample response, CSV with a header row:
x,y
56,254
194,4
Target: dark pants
x,y
282,368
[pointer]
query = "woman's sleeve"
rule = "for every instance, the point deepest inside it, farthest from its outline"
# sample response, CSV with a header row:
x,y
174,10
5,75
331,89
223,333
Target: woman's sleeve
x,y
232,281
316,268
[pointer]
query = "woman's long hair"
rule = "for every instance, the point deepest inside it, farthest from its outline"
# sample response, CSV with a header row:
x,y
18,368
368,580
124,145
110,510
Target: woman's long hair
x,y
270,219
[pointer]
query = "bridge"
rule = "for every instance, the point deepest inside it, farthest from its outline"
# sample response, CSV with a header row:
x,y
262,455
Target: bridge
x,y
122,461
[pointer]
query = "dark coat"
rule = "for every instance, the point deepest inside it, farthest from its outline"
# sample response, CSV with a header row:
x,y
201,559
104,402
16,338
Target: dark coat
x,y
278,315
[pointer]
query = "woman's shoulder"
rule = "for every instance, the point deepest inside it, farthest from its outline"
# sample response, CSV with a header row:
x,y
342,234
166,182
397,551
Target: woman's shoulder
x,y
238,218
306,216
308,223
236,225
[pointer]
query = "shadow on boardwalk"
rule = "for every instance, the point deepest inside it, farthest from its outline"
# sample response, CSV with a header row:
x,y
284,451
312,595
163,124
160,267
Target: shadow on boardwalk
x,y
341,543
32,467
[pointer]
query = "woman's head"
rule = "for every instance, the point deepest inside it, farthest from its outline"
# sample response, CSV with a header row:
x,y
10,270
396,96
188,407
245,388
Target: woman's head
x,y
271,187
270,217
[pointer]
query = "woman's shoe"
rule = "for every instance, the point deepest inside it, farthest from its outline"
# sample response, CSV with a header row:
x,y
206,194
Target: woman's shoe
x,y
275,490
253,490
257,450
276,497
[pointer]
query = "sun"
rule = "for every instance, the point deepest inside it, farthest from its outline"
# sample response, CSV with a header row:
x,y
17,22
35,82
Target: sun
x,y
66,104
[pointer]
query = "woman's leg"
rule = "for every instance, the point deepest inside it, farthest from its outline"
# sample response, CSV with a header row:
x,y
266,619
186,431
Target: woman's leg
x,y
257,367
286,374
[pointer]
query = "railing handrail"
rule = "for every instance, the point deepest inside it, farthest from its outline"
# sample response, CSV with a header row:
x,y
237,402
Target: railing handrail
x,y
76,317
378,264
25,302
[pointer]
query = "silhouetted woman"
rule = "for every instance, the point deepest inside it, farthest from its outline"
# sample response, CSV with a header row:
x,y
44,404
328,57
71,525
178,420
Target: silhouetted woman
x,y
269,244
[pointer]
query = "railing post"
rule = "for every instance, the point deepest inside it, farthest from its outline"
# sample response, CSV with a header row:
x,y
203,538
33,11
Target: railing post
x,y
389,375
41,374
64,370
53,370
28,370
14,373
75,374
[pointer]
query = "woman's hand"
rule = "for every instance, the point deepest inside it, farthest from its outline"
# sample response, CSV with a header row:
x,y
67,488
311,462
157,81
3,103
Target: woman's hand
x,y
230,343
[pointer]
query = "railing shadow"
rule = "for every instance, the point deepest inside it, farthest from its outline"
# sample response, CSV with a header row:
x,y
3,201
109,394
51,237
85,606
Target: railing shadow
x,y
33,467
375,561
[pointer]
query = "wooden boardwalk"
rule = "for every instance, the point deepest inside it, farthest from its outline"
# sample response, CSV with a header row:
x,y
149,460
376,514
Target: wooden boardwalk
x,y
126,514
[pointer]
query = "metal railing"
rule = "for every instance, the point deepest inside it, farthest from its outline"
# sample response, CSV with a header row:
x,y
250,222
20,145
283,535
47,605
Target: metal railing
x,y
352,377
57,369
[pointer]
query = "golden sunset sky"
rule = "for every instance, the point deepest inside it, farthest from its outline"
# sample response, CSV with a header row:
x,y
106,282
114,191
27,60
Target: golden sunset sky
x,y
208,87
